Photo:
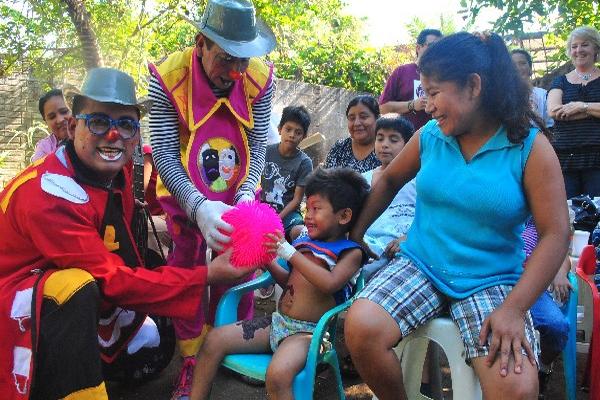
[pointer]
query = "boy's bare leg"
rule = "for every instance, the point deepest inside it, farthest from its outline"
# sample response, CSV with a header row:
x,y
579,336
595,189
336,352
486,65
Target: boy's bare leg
x,y
250,336
512,386
288,360
371,335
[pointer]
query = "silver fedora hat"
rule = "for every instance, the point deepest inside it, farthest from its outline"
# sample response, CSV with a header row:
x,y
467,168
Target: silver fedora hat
x,y
234,27
109,85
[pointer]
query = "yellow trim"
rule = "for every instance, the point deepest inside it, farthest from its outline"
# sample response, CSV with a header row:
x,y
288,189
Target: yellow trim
x,y
250,122
92,393
63,284
110,234
14,185
189,347
247,150
194,129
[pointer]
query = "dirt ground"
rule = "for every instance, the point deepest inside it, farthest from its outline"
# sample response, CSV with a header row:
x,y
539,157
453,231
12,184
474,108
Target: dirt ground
x,y
228,386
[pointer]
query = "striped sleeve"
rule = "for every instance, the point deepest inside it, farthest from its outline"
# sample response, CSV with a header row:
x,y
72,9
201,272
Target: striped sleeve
x,y
164,137
257,142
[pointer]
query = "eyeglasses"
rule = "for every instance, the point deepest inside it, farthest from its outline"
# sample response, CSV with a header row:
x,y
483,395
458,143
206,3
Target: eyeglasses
x,y
100,124
228,60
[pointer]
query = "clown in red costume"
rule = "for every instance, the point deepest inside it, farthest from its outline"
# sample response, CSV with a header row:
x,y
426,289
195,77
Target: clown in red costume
x,y
70,276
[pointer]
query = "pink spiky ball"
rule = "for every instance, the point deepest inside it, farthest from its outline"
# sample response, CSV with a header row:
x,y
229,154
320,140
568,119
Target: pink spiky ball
x,y
251,221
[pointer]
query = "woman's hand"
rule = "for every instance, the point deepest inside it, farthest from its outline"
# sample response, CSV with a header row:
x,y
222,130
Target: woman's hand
x,y
505,327
567,111
561,287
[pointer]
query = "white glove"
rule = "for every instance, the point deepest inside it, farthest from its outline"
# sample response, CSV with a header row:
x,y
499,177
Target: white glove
x,y
245,197
208,218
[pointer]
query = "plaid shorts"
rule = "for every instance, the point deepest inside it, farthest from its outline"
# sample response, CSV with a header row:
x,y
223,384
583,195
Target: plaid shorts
x,y
408,295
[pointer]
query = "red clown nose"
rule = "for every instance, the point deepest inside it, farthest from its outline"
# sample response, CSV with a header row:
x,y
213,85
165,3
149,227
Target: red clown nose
x,y
112,135
235,75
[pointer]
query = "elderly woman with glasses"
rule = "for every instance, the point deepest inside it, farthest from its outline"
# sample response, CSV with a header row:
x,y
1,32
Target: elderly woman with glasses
x,y
574,103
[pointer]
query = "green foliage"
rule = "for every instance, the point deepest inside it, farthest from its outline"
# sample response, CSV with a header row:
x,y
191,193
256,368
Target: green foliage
x,y
317,41
446,25
558,17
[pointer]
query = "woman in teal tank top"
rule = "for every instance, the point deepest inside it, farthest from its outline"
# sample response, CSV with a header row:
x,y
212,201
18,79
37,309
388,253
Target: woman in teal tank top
x,y
480,172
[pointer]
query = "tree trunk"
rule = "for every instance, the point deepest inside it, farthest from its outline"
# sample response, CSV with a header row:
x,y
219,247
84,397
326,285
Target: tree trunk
x,y
89,43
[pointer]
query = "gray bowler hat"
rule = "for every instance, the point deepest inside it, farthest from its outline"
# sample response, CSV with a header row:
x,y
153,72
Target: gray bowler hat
x,y
109,85
234,27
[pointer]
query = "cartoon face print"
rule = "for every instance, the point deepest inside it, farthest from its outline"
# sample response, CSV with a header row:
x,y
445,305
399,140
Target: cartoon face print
x,y
219,164
228,159
210,162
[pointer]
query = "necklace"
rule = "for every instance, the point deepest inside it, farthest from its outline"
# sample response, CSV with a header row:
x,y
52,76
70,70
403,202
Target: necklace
x,y
585,77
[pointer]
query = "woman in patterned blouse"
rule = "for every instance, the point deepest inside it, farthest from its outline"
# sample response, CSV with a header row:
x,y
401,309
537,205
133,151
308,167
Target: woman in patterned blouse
x,y
358,150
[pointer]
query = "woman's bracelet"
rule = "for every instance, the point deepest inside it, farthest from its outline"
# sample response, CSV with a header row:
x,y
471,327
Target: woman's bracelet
x,y
585,108
411,106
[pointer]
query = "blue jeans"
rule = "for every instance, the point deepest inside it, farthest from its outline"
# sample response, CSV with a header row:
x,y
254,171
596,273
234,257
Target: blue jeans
x,y
585,181
552,324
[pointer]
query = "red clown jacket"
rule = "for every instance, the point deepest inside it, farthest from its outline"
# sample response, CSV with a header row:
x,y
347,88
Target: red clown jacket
x,y
51,220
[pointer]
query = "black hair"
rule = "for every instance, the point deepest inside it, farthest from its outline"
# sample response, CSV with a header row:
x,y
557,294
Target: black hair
x,y
297,114
504,94
396,123
47,96
525,54
426,32
342,187
367,100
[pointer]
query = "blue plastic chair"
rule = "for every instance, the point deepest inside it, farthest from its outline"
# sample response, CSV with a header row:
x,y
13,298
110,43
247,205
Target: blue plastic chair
x,y
321,348
569,353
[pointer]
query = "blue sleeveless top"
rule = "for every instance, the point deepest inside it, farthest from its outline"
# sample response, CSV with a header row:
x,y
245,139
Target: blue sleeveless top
x,y
329,252
466,235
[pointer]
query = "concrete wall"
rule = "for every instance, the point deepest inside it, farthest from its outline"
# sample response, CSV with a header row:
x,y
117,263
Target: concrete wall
x,y
327,108
19,95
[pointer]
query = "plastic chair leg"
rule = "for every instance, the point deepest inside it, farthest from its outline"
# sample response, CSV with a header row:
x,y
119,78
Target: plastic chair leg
x,y
338,376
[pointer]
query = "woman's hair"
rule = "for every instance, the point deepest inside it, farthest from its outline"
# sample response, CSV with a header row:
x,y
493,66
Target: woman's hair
x,y
396,123
525,54
47,96
586,33
368,101
504,94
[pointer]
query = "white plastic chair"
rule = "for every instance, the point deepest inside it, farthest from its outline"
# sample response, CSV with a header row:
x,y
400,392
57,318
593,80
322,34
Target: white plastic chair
x,y
412,350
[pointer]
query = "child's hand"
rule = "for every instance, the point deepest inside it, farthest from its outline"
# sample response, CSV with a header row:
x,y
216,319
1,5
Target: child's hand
x,y
276,244
272,241
393,247
561,287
